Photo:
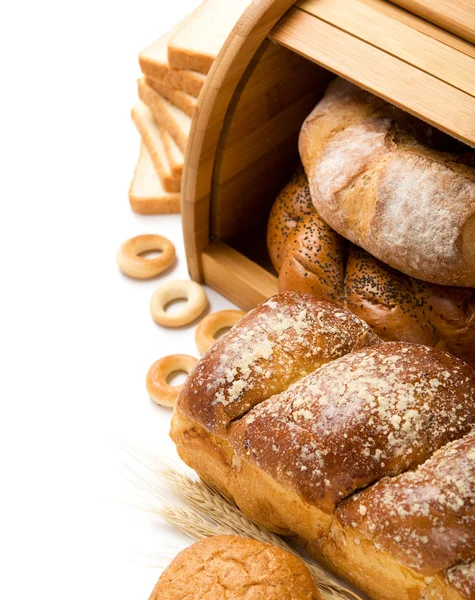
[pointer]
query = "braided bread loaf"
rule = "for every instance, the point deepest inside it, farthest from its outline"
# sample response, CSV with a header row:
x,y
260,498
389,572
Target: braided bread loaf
x,y
310,257
376,179
314,427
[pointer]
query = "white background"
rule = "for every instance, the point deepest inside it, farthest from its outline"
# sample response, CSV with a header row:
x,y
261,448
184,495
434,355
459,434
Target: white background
x,y
76,336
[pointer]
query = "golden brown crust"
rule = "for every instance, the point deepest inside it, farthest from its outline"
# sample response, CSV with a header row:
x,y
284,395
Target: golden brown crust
x,y
386,299
373,181
457,583
273,346
313,260
424,518
289,459
230,567
376,572
317,260
379,411
292,204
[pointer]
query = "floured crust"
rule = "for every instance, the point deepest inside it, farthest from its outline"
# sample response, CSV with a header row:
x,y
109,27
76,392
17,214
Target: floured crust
x,y
457,583
374,182
371,413
263,499
275,344
425,518
290,457
235,568
311,257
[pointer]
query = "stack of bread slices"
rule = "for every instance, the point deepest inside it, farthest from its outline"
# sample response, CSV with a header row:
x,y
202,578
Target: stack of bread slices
x,y
174,70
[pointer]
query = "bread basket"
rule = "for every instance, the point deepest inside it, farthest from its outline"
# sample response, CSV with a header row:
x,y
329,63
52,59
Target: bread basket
x,y
272,70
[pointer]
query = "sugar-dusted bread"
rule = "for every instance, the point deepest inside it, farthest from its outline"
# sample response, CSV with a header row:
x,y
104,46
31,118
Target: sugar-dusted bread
x,y
171,118
146,194
375,180
274,346
424,519
300,407
456,583
311,257
235,568
155,66
152,139
198,41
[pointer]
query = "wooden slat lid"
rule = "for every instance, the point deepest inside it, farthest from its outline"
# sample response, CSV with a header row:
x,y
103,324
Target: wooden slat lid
x,y
457,16
391,53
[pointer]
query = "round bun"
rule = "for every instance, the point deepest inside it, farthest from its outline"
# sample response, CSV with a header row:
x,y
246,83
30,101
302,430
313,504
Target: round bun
x,y
377,179
235,568
312,258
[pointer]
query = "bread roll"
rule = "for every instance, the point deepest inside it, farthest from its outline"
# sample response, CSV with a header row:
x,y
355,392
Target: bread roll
x,y
368,411
314,259
374,180
235,568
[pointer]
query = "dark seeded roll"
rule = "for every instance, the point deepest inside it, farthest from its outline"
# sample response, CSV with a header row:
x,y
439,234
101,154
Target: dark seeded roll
x,y
312,258
293,204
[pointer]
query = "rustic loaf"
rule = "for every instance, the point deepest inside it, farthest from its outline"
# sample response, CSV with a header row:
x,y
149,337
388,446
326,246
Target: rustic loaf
x,y
375,181
235,568
300,407
311,257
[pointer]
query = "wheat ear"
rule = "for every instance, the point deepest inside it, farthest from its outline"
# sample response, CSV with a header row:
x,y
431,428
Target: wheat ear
x,y
205,512
204,499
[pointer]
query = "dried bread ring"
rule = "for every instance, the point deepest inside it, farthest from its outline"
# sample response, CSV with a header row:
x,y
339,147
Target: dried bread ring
x,y
140,267
158,388
211,324
194,294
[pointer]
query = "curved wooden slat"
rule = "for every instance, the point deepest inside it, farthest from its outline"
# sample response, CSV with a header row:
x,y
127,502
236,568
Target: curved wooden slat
x,y
213,103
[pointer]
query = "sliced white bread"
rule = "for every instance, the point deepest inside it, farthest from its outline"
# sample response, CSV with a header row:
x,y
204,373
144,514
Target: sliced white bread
x,y
152,139
171,118
197,42
179,98
146,194
175,156
154,64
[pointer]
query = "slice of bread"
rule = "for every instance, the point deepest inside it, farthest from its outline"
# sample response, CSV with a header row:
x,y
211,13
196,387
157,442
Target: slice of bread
x,y
146,194
171,118
174,155
178,98
152,139
197,42
154,64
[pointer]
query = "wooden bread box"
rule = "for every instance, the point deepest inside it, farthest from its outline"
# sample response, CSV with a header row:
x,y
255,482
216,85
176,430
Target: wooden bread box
x,y
271,72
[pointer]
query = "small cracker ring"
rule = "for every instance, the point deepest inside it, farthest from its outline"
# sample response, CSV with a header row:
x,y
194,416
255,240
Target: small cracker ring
x,y
196,298
211,324
140,267
159,390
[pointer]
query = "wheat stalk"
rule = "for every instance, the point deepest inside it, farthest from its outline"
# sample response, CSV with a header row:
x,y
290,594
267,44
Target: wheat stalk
x,y
205,512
